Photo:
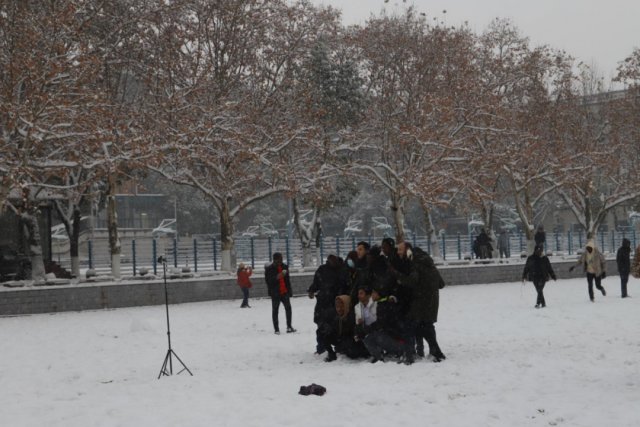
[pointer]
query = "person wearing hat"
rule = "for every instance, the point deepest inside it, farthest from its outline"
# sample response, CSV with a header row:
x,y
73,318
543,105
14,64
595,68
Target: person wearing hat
x,y
244,273
594,265
538,270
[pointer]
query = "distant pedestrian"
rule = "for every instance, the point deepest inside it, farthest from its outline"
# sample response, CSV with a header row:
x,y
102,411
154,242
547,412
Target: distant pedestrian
x,y
538,270
484,244
594,265
624,265
503,243
279,286
540,237
244,281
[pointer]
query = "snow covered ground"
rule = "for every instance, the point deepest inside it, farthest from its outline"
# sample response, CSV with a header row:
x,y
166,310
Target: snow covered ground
x,y
573,363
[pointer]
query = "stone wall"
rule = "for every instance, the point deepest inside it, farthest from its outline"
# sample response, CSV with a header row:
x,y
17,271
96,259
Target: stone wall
x,y
17,301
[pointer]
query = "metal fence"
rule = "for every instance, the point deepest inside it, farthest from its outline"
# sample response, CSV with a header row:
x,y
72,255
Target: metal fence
x,y
201,254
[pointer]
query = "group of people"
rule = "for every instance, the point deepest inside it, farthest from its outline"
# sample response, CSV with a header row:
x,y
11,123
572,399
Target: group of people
x,y
381,302
538,269
483,243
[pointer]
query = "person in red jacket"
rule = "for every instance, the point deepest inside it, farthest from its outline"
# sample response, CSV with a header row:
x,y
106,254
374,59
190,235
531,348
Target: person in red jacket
x,y
244,281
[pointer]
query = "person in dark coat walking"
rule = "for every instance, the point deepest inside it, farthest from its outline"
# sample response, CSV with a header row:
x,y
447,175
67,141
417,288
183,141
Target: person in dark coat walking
x,y
279,287
623,259
538,270
425,282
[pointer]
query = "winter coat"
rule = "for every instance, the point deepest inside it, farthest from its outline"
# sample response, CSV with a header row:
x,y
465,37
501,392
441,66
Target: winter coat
x,y
273,283
387,317
425,282
360,308
355,279
622,257
379,276
484,239
328,282
599,264
243,278
503,240
331,324
538,268
635,266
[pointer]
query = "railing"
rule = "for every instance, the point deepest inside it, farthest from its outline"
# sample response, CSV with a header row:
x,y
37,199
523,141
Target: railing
x,y
202,254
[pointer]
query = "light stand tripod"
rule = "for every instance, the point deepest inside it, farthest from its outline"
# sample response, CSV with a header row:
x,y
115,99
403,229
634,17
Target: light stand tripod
x,y
170,352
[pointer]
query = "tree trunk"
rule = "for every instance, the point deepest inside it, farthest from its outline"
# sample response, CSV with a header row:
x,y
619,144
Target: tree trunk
x,y
487,218
226,238
306,233
525,212
72,227
431,232
33,246
74,243
397,207
115,247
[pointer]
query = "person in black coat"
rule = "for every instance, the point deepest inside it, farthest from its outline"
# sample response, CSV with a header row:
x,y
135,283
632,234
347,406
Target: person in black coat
x,y
540,237
538,270
279,287
484,244
623,259
328,282
385,337
424,282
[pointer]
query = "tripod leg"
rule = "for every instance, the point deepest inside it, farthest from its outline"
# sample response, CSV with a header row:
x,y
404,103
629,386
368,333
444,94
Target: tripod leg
x,y
182,363
163,370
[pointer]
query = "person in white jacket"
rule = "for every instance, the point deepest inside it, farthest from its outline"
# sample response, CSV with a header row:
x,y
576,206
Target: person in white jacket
x,y
594,264
365,312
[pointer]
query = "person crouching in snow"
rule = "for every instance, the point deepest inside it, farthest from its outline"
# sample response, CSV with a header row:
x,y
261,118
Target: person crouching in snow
x,y
594,265
244,281
336,329
538,270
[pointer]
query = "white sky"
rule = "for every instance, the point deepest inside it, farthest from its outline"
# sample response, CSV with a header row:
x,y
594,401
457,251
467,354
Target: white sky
x,y
592,31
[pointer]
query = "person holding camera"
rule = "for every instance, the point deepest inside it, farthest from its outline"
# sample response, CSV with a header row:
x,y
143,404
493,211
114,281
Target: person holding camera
x,y
279,287
244,281
594,265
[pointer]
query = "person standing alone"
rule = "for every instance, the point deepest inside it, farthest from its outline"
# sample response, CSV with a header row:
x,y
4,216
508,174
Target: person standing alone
x,y
244,281
538,270
623,259
279,287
